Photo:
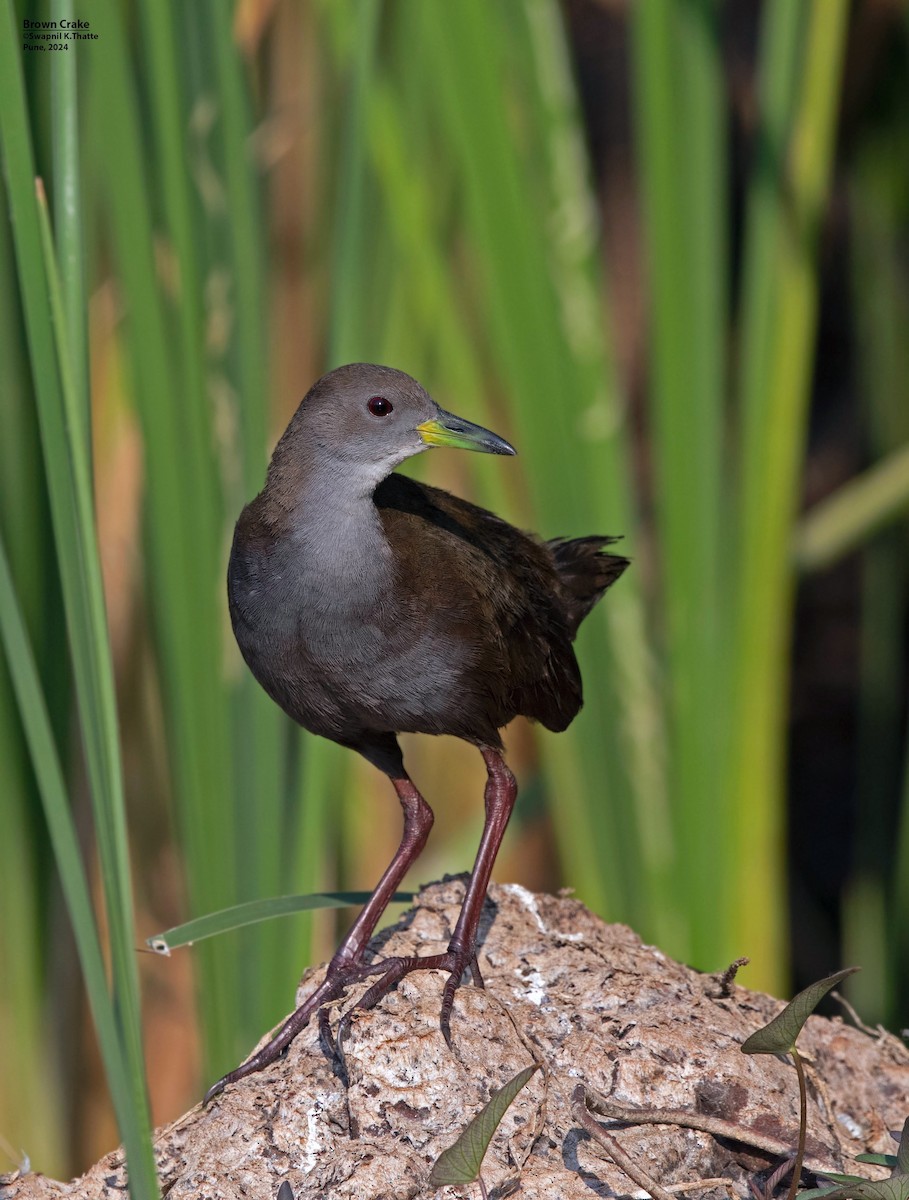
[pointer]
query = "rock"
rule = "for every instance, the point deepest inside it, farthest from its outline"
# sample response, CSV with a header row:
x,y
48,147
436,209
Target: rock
x,y
588,1001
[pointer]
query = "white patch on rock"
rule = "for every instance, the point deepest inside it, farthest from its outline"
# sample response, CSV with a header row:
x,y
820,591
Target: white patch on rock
x,y
535,984
529,901
313,1143
851,1126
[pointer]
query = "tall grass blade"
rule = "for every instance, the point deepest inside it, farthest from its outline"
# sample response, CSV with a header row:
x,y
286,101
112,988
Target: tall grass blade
x,y
801,61
132,1117
184,520
67,471
262,732
64,427
246,253
350,282
254,911
26,1058
630,695
680,111
67,197
876,898
67,457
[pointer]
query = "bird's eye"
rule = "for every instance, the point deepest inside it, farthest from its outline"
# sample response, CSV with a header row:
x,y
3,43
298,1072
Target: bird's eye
x,y
379,406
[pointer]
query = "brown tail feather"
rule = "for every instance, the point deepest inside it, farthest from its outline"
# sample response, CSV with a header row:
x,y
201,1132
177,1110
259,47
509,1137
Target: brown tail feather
x,y
586,572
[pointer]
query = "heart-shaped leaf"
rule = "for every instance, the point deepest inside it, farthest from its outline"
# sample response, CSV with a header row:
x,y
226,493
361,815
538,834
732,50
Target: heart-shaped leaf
x,y
461,1162
779,1035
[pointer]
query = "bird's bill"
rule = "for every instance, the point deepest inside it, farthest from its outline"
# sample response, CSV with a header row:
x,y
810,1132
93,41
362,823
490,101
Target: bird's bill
x,y
448,430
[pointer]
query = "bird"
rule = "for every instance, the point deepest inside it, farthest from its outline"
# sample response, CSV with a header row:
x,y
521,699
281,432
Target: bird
x,y
368,605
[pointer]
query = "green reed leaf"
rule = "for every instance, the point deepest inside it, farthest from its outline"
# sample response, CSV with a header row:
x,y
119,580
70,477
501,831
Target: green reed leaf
x,y
254,911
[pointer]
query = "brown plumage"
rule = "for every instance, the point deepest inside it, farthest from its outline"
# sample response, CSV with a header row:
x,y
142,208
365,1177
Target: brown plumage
x,y
369,605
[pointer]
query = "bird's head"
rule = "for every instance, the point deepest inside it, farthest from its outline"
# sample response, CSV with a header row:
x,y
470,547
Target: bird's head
x,y
367,419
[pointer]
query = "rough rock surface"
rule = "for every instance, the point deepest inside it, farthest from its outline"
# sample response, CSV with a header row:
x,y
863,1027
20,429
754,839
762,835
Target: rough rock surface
x,y
588,1001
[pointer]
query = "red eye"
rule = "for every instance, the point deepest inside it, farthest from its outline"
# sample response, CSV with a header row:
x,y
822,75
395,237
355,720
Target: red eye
x,y
379,406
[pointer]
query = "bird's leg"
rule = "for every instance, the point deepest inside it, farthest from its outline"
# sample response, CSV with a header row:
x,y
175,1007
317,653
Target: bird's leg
x,y
418,819
346,967
500,795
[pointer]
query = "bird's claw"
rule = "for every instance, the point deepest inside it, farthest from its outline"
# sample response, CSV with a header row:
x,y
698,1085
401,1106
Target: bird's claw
x,y
390,971
332,986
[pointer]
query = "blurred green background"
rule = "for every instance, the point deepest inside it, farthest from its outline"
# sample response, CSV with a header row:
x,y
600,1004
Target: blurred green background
x,y
662,247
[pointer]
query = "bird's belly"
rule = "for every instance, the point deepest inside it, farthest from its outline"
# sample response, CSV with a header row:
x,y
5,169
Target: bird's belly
x,y
389,681
341,678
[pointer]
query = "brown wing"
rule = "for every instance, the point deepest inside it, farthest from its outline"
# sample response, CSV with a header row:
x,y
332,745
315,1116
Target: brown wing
x,y
495,589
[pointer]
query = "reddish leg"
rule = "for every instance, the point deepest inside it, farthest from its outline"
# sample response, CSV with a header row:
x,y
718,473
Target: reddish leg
x,y
346,966
500,795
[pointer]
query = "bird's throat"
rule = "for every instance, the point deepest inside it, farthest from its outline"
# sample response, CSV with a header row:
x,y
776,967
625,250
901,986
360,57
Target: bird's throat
x,y
338,538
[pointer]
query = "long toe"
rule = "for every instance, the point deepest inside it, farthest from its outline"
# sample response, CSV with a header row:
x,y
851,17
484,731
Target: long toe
x,y
462,961
392,970
448,995
336,982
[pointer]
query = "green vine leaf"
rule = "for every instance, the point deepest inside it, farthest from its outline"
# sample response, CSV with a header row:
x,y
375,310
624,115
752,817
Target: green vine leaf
x,y
877,1160
461,1162
779,1035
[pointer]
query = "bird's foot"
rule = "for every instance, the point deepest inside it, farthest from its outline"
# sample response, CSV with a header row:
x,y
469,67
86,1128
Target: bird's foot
x,y
336,982
392,970
338,979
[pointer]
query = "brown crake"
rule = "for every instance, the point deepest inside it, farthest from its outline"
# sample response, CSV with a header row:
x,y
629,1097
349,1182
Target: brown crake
x,y
369,605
